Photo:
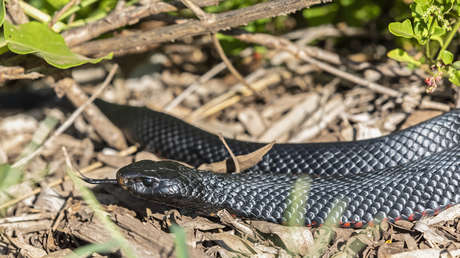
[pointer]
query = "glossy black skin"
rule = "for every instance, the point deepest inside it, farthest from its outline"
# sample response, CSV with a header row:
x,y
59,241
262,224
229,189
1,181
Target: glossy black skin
x,y
165,182
397,176
151,180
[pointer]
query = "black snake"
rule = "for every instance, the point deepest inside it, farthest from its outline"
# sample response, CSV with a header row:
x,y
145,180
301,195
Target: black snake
x,y
400,176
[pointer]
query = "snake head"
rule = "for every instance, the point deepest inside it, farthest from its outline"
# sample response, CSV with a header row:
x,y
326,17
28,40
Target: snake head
x,y
154,180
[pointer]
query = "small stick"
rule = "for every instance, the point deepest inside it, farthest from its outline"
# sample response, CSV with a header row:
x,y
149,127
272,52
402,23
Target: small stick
x,y
279,43
122,17
193,87
235,160
209,18
262,79
64,9
202,15
149,38
230,66
27,217
15,12
49,237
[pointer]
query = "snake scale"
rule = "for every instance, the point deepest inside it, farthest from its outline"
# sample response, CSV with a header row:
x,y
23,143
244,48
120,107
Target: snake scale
x,y
404,175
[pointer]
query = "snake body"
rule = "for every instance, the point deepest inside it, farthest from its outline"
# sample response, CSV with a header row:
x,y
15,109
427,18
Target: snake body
x,y
400,176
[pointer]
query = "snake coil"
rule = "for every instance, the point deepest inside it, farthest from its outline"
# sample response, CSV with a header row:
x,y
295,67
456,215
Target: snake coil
x,y
400,176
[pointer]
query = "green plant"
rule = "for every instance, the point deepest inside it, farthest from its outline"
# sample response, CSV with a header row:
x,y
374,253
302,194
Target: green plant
x,y
352,12
179,241
433,25
36,37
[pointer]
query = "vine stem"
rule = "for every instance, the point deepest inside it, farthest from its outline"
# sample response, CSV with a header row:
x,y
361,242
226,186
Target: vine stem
x,y
449,38
40,16
428,50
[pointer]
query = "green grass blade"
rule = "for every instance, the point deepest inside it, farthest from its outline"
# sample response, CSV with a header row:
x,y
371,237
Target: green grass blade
x,y
294,215
179,241
87,250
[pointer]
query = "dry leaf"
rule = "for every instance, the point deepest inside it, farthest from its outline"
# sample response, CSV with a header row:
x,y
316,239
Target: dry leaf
x,y
410,242
426,253
430,234
232,243
198,223
388,249
296,239
227,219
245,161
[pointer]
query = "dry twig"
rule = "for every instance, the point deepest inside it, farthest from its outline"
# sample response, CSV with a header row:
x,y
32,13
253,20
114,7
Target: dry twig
x,y
230,66
235,94
69,121
64,9
235,160
190,89
123,17
15,12
147,39
104,127
277,42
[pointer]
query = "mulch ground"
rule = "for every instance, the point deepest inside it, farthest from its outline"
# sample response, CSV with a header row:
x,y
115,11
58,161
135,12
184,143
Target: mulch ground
x,y
294,102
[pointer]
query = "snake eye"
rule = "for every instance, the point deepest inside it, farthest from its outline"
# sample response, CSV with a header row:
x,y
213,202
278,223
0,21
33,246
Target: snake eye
x,y
147,181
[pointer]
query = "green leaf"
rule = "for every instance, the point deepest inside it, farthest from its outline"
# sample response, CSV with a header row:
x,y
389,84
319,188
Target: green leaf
x,y
437,34
420,7
107,5
454,77
420,30
446,56
88,250
3,47
2,11
319,11
402,29
37,38
2,41
438,30
367,12
324,14
57,4
456,65
3,50
402,56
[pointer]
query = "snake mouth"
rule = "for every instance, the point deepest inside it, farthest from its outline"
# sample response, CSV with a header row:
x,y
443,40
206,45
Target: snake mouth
x,y
121,183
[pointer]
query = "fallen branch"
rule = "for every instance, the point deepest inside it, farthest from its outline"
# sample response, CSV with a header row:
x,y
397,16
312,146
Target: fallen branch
x,y
223,21
125,16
